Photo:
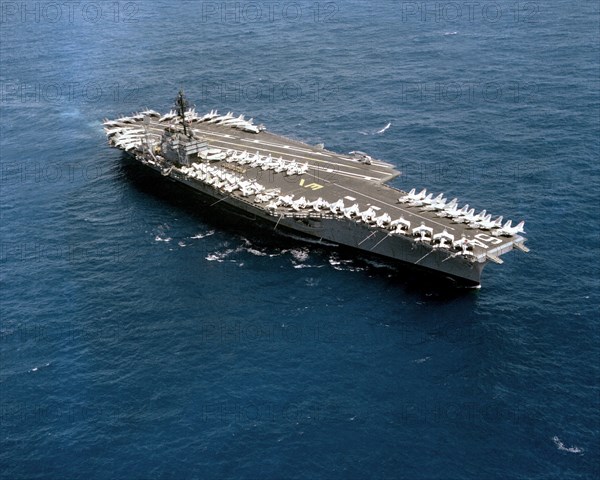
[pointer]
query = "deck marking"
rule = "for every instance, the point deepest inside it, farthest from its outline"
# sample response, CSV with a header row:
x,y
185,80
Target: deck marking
x,y
486,238
280,217
220,200
449,257
384,237
366,238
428,253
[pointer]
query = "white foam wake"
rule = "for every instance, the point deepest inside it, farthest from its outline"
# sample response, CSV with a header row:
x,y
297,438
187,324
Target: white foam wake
x,y
35,369
561,446
300,254
204,235
385,128
220,256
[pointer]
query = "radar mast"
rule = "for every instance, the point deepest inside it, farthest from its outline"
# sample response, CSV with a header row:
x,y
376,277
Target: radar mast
x,y
182,104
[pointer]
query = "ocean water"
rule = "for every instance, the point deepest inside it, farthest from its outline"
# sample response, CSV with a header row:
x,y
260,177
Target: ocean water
x,y
140,339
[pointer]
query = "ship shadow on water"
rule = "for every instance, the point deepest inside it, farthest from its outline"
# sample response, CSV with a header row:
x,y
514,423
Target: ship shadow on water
x,y
412,280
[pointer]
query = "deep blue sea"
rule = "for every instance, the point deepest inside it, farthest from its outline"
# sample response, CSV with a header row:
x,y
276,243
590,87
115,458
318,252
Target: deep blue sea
x,y
141,339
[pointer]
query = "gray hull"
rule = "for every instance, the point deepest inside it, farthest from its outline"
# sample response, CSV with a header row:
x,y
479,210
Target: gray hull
x,y
340,231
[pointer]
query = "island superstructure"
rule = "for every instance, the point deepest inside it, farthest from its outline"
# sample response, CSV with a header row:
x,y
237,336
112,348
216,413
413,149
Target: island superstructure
x,y
291,186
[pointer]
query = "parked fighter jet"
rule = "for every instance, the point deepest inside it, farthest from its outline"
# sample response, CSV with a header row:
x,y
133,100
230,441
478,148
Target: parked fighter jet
x,y
508,230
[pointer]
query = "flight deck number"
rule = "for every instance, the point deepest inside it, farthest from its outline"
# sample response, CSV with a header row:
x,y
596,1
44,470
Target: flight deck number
x,y
312,186
486,238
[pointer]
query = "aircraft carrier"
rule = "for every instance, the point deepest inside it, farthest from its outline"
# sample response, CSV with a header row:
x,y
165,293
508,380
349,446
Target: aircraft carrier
x,y
293,187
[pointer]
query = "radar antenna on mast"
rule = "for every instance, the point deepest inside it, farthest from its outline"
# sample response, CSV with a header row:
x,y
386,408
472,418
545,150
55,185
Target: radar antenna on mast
x,y
182,104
